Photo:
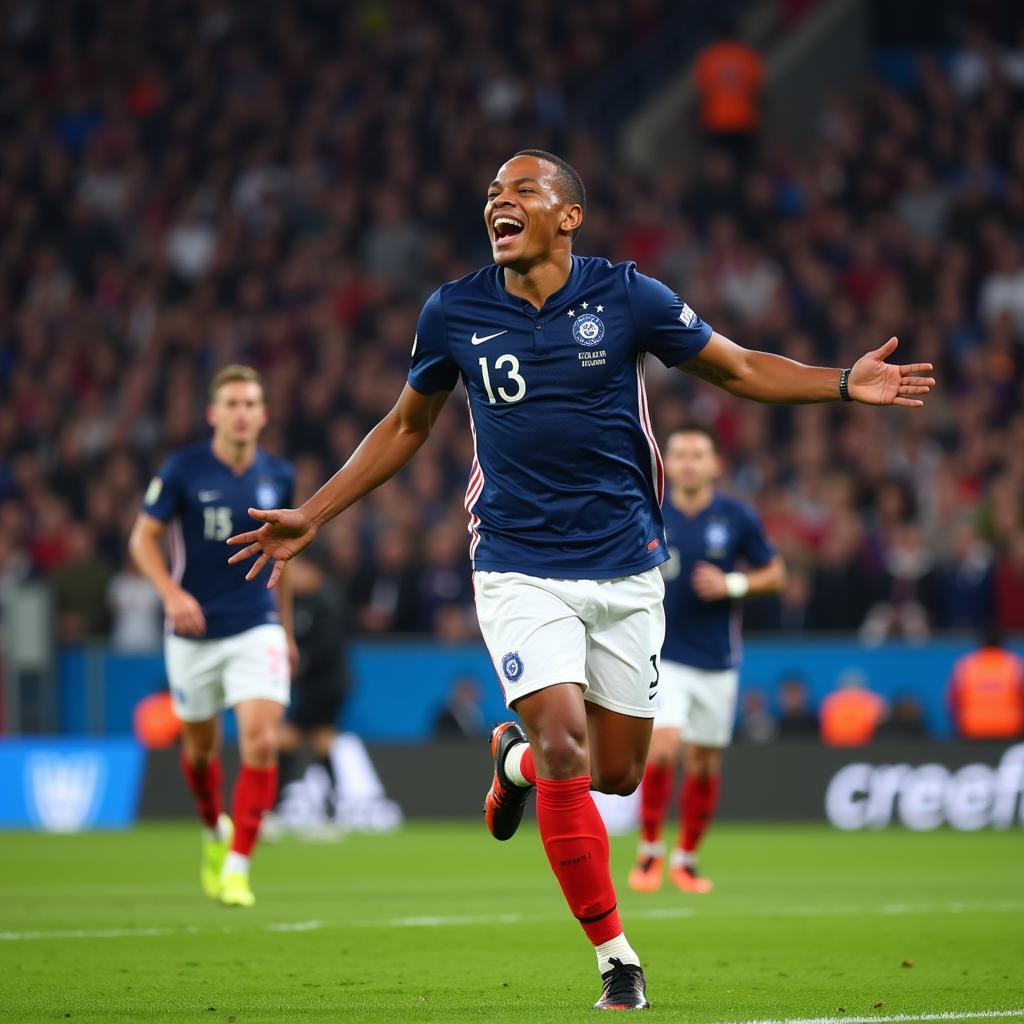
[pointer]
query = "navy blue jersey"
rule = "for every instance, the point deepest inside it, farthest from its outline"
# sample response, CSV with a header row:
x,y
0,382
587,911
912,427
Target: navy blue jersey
x,y
567,480
705,634
205,502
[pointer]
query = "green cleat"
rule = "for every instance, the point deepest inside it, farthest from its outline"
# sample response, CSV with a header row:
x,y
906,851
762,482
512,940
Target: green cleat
x,y
214,852
235,891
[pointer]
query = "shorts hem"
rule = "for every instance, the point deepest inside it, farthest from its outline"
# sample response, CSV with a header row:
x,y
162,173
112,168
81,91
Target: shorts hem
x,y
614,705
543,684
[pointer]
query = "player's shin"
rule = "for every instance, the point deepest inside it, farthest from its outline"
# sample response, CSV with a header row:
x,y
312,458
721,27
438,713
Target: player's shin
x,y
254,793
576,844
697,807
655,791
204,779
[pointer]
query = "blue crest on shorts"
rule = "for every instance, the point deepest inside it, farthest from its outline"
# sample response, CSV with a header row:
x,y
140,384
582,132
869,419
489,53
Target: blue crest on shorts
x,y
266,494
512,666
588,330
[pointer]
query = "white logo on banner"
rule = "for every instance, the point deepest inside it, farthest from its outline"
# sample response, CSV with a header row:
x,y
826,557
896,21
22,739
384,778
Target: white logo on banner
x,y
64,789
922,798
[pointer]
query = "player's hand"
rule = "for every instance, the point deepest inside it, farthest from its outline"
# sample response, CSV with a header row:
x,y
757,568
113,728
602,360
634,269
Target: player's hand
x,y
185,612
285,532
708,582
873,381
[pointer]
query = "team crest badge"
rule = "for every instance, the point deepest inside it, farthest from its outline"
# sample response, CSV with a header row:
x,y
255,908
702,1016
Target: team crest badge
x,y
588,330
716,537
266,494
512,666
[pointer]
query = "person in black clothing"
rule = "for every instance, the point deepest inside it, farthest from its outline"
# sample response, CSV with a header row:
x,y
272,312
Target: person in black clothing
x,y
462,717
321,681
796,716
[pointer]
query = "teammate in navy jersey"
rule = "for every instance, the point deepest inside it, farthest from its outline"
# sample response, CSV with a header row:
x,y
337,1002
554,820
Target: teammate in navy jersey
x,y
563,501
709,535
227,645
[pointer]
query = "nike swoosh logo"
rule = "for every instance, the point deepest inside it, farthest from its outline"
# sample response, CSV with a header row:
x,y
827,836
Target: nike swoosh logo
x,y
209,495
479,341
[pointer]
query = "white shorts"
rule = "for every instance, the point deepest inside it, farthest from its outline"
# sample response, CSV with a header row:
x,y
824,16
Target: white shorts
x,y
207,676
699,703
605,635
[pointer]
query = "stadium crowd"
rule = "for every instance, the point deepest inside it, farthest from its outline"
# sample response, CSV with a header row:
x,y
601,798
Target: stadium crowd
x,y
284,188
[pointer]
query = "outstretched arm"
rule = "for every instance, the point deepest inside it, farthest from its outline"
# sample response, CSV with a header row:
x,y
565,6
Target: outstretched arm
x,y
384,451
767,377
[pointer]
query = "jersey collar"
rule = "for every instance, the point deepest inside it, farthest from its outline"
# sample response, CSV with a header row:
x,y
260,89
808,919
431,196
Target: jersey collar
x,y
552,300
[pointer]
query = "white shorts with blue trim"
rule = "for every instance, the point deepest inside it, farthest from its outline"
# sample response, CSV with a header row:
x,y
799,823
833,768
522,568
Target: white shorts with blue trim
x,y
700,703
207,676
605,635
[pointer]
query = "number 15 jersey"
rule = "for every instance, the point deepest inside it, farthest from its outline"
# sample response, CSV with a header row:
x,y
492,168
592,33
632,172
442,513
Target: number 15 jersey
x,y
567,481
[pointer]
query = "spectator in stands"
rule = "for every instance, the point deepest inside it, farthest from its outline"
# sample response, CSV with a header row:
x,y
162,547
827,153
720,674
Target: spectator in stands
x,y
136,610
851,713
986,693
905,720
80,589
462,717
729,76
386,590
757,723
797,719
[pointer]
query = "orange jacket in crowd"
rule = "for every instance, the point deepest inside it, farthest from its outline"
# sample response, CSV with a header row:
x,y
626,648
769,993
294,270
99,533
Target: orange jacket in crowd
x,y
987,694
850,716
728,76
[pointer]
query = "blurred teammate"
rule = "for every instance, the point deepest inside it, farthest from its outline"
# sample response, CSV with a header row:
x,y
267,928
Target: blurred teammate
x,y
564,507
227,645
708,534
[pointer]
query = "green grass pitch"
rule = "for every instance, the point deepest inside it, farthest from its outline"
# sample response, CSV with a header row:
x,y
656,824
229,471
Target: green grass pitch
x,y
440,923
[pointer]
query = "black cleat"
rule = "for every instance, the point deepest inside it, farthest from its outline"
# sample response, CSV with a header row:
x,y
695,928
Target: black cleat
x,y
625,988
505,802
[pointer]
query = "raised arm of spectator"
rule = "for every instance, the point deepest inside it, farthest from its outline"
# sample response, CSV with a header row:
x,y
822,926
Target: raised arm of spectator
x,y
767,377
383,452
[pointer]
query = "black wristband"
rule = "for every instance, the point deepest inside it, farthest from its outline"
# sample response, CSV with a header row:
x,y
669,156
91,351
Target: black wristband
x,y
844,385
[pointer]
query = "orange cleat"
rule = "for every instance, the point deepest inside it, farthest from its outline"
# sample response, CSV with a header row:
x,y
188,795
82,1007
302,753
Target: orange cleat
x,y
687,880
505,802
646,874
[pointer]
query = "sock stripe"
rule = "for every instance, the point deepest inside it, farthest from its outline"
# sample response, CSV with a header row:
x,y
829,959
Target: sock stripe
x,y
598,917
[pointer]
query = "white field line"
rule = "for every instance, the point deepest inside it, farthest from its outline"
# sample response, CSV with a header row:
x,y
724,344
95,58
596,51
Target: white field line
x,y
468,920
895,1018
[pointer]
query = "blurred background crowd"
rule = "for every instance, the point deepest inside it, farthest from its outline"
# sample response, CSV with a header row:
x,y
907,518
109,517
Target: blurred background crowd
x,y
282,185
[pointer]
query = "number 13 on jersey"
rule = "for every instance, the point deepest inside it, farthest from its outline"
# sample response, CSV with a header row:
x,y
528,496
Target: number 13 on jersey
x,y
506,395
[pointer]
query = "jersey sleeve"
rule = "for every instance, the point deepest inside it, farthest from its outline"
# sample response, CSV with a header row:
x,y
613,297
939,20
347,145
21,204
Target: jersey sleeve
x,y
432,368
755,547
163,499
666,326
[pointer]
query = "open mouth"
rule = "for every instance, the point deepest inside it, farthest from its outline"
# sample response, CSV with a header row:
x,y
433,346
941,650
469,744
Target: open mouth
x,y
506,228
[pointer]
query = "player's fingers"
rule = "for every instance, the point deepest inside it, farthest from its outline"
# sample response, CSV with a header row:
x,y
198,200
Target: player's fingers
x,y
912,369
243,538
913,389
887,349
241,556
910,403
265,515
275,574
257,567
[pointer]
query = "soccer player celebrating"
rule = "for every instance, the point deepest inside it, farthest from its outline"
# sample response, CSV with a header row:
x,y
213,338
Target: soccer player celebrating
x,y
564,506
227,645
708,533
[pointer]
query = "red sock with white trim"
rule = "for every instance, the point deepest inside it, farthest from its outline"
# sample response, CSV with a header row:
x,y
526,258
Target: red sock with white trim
x,y
576,843
696,809
655,791
519,765
255,790
204,783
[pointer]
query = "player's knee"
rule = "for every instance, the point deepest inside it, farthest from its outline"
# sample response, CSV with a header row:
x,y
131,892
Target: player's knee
x,y
259,745
562,755
620,781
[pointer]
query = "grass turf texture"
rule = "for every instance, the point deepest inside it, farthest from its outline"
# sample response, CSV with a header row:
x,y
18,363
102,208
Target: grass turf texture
x,y
805,922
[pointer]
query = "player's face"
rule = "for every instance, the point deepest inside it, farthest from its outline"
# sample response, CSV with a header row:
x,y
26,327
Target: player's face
x,y
691,462
525,214
237,413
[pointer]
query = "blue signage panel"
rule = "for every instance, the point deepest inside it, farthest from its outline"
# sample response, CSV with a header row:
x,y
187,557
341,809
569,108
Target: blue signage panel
x,y
65,784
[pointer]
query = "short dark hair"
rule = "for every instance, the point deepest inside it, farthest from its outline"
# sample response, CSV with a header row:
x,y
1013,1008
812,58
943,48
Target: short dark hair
x,y
569,182
696,427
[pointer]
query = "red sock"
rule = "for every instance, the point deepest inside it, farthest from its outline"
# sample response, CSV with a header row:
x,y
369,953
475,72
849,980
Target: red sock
x,y
204,782
526,767
254,794
654,793
697,807
576,843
